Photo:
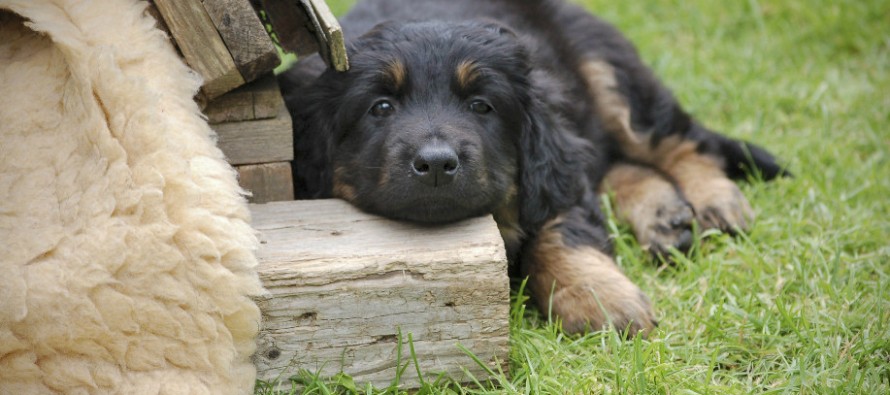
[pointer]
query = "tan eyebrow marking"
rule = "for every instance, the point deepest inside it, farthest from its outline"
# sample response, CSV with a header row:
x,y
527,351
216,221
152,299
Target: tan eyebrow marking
x,y
467,72
396,73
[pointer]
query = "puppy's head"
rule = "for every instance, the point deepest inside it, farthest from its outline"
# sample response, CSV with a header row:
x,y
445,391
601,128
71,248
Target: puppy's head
x,y
429,124
422,127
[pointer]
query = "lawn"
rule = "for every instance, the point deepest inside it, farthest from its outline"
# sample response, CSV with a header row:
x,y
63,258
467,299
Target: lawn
x,y
802,303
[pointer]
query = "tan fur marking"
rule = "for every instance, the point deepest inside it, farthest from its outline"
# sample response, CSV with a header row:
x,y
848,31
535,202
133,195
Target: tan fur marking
x,y
384,178
718,202
467,71
587,289
396,73
611,107
614,111
342,190
507,218
643,198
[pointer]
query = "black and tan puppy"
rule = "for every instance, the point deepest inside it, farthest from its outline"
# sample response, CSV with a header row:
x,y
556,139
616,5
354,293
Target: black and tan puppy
x,y
526,110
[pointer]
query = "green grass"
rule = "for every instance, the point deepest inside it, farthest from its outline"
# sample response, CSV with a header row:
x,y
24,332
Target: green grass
x,y
802,303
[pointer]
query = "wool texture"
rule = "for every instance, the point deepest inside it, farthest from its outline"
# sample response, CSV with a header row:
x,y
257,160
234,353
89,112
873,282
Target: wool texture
x,y
126,253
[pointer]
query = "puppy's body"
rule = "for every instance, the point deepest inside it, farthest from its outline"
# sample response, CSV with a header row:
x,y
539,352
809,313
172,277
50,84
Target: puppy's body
x,y
525,110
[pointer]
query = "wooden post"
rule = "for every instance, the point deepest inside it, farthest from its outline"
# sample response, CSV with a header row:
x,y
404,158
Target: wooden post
x,y
343,285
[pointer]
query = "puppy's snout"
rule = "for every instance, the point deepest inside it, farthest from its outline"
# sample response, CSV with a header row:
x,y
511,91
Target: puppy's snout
x,y
436,164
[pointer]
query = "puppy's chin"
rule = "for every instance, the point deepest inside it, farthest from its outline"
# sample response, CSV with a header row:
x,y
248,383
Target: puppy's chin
x,y
430,209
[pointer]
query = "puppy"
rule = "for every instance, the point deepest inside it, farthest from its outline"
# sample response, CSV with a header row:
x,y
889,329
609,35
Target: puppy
x,y
526,110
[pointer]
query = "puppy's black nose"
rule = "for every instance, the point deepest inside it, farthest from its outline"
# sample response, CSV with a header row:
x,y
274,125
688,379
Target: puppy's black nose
x,y
435,164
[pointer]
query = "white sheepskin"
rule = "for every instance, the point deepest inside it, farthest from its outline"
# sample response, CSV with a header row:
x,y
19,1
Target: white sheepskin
x,y
126,255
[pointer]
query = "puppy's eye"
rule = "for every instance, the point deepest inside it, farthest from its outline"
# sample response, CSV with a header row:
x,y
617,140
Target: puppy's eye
x,y
480,107
382,108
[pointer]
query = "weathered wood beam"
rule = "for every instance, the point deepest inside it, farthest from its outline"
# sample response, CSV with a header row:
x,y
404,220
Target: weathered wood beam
x,y
297,21
329,33
342,285
292,25
244,35
257,141
260,99
267,182
201,45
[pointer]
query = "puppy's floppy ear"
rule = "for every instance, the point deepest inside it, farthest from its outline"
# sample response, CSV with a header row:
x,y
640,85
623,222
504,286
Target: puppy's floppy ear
x,y
312,108
553,162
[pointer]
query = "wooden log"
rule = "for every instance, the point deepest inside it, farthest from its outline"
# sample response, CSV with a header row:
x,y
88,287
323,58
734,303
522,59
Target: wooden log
x,y
267,182
343,285
296,25
257,141
244,35
201,45
260,99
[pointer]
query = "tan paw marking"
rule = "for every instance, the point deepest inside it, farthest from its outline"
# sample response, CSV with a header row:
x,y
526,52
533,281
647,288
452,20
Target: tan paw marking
x,y
719,204
585,288
653,207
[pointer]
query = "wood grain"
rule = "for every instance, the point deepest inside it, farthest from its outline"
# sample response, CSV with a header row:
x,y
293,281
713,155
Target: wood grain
x,y
244,35
343,285
267,182
257,141
201,45
260,99
292,25
296,22
330,34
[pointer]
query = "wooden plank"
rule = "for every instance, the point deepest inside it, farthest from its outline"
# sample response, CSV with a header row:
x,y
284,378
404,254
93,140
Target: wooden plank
x,y
342,285
234,106
260,99
292,25
267,182
201,45
267,98
244,35
330,34
258,141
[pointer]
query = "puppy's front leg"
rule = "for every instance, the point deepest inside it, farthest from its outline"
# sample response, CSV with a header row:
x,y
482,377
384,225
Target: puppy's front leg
x,y
581,284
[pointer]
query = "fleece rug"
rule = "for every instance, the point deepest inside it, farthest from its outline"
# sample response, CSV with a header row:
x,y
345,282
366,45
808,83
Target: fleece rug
x,y
126,256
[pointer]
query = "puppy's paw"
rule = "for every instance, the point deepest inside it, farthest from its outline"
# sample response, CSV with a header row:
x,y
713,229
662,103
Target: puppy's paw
x,y
597,304
651,204
719,204
583,286
667,224
586,290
